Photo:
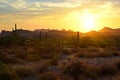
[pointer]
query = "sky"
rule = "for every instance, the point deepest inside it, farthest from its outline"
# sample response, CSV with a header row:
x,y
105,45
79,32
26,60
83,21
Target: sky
x,y
77,15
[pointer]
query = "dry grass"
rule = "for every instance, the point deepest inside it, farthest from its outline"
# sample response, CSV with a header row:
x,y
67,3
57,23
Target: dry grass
x,y
38,59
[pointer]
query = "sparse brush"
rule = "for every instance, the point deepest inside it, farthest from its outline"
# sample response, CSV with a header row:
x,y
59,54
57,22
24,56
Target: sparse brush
x,y
105,54
47,76
75,69
118,64
43,67
32,57
25,71
10,59
80,54
7,73
106,69
54,60
66,51
116,53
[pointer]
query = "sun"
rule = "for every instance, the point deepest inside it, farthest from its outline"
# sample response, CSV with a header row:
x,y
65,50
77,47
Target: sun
x,y
88,21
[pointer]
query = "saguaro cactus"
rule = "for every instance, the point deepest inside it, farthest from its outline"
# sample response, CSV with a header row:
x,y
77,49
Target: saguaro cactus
x,y
14,30
40,35
46,36
15,27
78,35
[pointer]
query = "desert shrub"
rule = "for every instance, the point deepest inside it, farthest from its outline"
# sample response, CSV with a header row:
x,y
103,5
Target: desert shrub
x,y
25,71
7,74
115,53
92,71
46,46
20,55
66,51
41,68
86,41
80,54
107,70
105,54
48,76
117,42
54,60
32,57
6,41
118,64
102,70
10,40
101,42
46,55
9,59
75,69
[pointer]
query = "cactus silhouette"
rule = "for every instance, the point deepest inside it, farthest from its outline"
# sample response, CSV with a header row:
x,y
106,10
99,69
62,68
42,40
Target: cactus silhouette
x,y
14,30
78,36
40,35
46,36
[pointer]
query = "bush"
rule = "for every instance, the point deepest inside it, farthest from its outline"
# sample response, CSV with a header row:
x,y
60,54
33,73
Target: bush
x,y
107,70
54,60
6,73
10,40
66,51
118,64
75,69
86,41
48,76
25,71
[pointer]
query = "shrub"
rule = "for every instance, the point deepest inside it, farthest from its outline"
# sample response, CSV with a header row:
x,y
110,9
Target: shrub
x,y
48,76
10,59
25,71
54,60
86,41
107,70
66,51
105,54
10,40
116,53
118,64
75,69
6,73
32,57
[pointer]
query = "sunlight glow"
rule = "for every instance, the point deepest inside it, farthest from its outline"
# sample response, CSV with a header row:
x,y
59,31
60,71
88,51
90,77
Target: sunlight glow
x,y
88,21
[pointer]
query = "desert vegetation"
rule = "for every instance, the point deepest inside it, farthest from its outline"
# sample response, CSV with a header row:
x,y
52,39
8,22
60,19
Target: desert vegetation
x,y
76,57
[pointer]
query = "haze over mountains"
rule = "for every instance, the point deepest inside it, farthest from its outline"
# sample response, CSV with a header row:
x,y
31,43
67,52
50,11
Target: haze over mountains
x,y
36,32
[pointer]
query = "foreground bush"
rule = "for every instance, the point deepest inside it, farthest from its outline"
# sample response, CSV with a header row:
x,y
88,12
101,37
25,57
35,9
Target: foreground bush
x,y
25,72
107,70
6,73
75,69
118,64
48,76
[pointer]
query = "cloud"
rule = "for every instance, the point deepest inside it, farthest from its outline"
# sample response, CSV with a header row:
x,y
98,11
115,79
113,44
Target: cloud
x,y
19,4
58,8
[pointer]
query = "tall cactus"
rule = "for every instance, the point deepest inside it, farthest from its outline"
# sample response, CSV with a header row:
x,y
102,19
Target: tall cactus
x,y
46,36
15,27
78,35
40,35
14,30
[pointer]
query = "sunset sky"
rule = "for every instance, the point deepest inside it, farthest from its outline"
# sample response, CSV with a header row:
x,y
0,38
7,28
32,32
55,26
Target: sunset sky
x,y
77,15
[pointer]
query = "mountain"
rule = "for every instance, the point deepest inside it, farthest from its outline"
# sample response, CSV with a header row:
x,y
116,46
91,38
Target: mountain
x,y
38,32
106,29
110,31
60,33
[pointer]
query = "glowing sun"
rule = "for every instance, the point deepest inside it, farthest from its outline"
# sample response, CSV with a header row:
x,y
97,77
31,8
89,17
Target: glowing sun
x,y
88,22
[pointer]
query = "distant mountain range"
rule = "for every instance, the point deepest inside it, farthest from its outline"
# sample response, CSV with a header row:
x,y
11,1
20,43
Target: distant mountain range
x,y
38,32
107,29
59,33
